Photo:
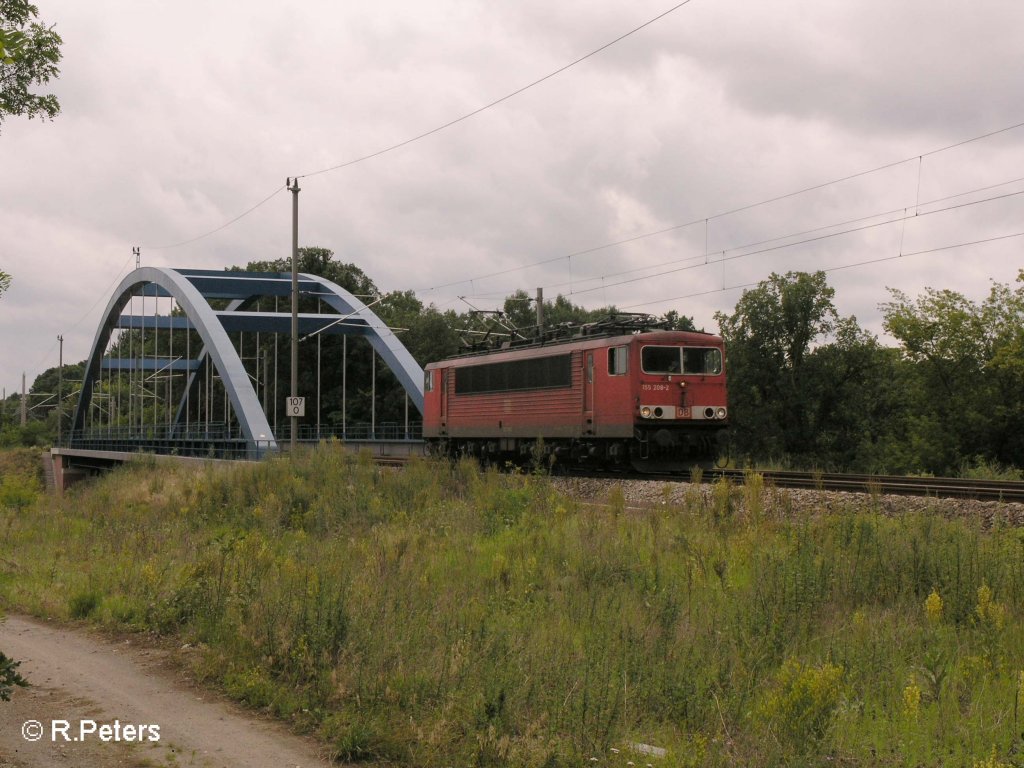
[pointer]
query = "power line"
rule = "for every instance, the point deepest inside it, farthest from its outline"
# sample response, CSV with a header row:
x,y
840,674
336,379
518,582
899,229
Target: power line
x,y
225,225
722,214
602,278
431,132
839,268
805,241
102,296
496,102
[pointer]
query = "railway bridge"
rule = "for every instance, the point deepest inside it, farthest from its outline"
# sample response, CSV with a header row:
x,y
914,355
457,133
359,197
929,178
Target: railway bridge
x,y
185,362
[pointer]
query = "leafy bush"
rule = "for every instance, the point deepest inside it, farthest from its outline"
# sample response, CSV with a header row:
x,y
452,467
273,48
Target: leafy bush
x,y
803,703
81,605
9,677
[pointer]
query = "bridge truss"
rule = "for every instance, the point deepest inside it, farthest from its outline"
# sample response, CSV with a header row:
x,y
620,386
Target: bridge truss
x,y
180,362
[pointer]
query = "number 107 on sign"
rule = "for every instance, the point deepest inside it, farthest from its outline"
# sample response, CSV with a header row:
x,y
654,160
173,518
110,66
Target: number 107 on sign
x,y
295,406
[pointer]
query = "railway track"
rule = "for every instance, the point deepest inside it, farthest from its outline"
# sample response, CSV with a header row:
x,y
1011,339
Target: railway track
x,y
939,487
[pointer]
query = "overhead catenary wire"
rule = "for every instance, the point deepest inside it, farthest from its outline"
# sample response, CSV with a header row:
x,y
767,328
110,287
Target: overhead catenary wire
x,y
703,220
425,134
808,240
817,238
223,226
100,297
496,102
756,244
863,263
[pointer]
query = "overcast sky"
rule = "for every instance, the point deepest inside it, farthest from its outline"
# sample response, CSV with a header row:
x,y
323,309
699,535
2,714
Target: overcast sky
x,y
179,116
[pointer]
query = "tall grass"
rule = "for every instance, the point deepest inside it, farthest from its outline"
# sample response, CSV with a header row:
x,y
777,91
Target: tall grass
x,y
444,615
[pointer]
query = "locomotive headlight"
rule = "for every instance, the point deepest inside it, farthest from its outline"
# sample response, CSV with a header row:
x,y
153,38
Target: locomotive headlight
x,y
720,413
645,412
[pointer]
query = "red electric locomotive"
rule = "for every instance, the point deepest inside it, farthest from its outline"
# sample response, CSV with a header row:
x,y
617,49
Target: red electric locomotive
x,y
613,394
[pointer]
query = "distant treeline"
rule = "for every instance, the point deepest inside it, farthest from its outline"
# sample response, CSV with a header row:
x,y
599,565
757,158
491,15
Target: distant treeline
x,y
811,388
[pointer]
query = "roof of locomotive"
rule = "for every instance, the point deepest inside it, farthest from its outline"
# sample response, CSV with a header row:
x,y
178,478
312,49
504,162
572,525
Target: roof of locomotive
x,y
582,341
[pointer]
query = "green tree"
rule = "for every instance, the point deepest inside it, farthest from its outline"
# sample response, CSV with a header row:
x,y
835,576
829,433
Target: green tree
x,y
804,383
767,337
678,322
854,394
5,282
29,54
520,310
1003,316
969,359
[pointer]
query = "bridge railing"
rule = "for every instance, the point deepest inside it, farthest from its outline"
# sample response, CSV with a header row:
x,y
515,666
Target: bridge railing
x,y
384,431
225,440
215,442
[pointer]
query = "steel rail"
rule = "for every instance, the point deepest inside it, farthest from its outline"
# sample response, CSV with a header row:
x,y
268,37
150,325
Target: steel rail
x,y
939,487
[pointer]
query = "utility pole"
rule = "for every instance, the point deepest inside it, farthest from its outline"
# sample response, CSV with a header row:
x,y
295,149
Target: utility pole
x,y
137,252
266,380
24,401
540,312
60,390
293,186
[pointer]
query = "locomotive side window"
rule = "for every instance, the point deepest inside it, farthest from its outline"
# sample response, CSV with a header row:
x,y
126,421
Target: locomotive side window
x,y
536,373
428,381
618,361
696,361
703,361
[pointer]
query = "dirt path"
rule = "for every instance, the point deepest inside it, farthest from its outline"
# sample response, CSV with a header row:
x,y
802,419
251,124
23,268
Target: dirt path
x,y
91,682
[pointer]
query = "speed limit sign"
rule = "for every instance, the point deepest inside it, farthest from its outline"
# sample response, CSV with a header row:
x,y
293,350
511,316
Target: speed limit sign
x,y
295,406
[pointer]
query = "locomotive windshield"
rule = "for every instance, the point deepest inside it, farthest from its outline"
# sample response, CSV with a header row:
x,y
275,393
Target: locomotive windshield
x,y
696,361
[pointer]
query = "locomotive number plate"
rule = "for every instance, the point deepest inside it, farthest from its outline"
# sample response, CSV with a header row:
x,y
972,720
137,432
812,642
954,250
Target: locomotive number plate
x,y
654,387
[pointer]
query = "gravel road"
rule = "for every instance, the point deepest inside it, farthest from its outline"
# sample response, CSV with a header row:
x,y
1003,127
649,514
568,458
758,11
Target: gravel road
x,y
83,678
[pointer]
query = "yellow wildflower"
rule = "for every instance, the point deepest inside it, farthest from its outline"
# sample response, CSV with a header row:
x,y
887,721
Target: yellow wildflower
x,y
933,607
991,762
989,612
911,701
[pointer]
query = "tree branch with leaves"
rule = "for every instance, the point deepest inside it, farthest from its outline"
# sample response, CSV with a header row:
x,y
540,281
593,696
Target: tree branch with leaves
x,y
29,54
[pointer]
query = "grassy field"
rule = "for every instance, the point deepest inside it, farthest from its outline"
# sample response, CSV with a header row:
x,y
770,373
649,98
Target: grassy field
x,y
444,616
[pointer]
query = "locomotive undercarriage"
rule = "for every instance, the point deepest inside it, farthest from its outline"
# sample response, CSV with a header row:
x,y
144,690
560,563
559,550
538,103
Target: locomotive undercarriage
x,y
650,449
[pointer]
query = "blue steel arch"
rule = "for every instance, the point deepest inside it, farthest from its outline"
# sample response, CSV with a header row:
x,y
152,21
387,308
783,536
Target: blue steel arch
x,y
395,355
252,420
191,289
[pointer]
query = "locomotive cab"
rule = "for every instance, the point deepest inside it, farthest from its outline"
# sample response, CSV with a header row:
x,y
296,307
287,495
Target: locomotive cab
x,y
681,409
